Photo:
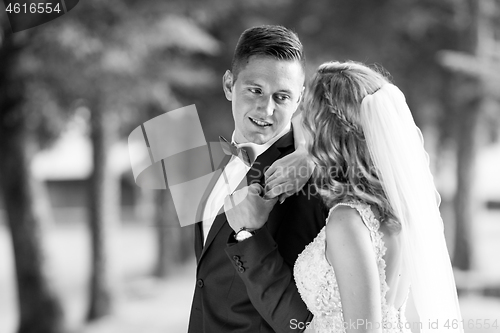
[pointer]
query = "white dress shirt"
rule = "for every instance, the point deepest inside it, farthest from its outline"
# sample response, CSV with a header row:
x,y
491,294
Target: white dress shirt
x,y
235,171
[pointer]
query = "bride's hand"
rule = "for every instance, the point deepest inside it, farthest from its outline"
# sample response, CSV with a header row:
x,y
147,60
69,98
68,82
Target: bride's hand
x,y
289,174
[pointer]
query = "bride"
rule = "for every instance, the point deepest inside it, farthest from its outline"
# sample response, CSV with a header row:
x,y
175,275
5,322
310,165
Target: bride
x,y
383,239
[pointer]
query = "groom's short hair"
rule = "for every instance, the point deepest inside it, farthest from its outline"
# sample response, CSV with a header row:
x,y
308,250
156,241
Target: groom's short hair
x,y
267,40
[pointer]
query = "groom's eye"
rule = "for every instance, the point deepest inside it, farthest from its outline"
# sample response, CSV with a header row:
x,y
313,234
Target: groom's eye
x,y
282,98
255,91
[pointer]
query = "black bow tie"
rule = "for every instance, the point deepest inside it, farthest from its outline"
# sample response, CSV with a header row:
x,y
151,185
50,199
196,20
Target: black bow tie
x,y
231,149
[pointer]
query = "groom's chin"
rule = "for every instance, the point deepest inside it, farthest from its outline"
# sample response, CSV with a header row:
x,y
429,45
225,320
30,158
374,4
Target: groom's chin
x,y
260,139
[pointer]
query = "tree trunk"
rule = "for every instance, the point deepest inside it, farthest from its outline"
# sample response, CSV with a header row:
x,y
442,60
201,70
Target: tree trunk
x,y
466,147
175,243
103,211
464,199
165,254
39,308
168,232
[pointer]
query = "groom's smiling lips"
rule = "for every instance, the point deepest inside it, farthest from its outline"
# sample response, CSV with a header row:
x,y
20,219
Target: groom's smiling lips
x,y
260,122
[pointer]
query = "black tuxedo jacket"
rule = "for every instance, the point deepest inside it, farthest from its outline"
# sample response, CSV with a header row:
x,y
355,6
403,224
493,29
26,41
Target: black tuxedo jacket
x,y
249,286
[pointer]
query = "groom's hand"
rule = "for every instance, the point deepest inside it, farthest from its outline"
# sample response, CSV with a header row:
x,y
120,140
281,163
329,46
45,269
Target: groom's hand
x,y
246,208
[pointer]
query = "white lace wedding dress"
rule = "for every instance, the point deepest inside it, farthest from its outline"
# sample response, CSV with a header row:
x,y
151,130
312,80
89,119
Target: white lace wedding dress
x,y
317,284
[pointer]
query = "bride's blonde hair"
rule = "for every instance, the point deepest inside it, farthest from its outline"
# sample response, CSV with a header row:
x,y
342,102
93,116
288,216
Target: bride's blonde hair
x,y
344,169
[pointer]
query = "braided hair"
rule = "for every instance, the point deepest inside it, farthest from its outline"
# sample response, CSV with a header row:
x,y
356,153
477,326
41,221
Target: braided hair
x,y
344,169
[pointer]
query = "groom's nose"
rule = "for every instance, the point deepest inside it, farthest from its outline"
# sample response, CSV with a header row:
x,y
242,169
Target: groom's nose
x,y
266,105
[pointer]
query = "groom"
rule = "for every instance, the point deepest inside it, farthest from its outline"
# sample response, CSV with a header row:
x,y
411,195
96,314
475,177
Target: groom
x,y
245,270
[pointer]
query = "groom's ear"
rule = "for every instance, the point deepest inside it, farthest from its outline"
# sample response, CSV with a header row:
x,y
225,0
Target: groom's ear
x,y
299,101
227,85
300,97
301,94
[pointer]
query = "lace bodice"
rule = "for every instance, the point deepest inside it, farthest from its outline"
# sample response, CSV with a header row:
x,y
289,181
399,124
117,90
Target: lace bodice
x,y
317,284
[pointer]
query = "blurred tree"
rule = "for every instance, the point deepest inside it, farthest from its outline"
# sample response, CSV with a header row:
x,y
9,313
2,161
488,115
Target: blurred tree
x,y
468,117
169,235
476,65
39,307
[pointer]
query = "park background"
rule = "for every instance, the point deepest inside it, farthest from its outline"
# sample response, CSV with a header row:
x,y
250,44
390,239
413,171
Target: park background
x,y
83,249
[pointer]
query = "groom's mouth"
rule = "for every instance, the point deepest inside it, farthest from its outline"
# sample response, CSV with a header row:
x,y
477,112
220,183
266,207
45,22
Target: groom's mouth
x,y
260,123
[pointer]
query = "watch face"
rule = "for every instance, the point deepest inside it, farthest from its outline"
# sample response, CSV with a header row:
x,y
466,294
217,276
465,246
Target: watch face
x,y
243,234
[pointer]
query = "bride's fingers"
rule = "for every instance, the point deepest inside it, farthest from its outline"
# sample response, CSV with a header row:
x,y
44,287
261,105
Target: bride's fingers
x,y
275,182
270,172
282,175
283,197
272,193
278,190
276,177
276,170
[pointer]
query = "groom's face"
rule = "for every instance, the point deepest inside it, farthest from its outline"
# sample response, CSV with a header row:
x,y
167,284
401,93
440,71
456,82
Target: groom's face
x,y
264,96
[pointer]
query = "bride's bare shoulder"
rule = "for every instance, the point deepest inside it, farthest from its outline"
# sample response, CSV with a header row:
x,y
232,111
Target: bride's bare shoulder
x,y
345,221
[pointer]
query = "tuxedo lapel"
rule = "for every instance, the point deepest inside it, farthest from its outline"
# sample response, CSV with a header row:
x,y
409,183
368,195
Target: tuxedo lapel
x,y
198,240
198,247
255,174
214,230
264,161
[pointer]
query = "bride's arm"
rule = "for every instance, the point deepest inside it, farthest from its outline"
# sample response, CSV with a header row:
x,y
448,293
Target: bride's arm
x,y
350,252
289,174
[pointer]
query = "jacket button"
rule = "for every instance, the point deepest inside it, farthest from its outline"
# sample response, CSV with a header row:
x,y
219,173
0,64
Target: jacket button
x,y
241,269
236,258
239,263
200,283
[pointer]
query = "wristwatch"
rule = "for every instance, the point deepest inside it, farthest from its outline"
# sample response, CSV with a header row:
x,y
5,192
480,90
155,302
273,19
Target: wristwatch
x,y
243,234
